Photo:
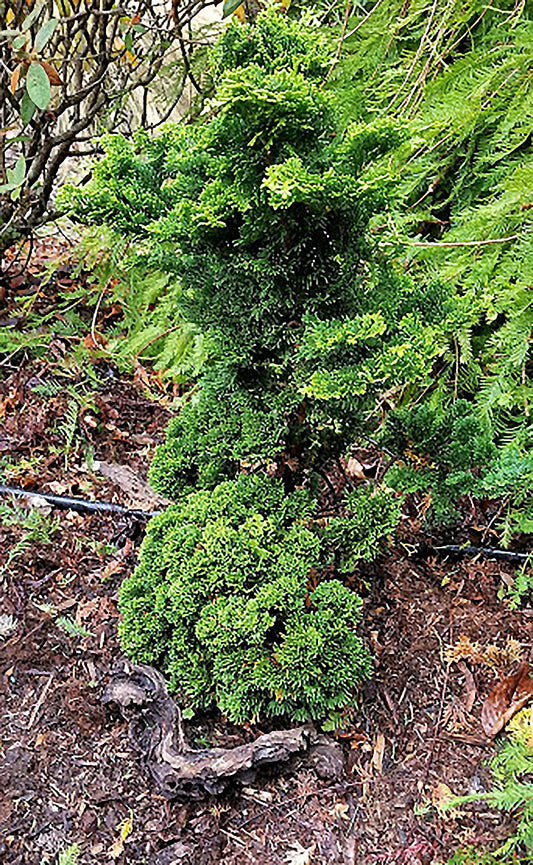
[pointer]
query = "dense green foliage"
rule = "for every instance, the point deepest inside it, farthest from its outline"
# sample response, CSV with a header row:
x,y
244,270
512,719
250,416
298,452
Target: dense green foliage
x,y
259,216
451,452
456,325
222,598
459,74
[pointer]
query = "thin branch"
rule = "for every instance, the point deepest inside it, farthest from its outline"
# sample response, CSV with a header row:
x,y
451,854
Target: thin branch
x,y
341,42
158,337
416,57
363,20
445,244
95,314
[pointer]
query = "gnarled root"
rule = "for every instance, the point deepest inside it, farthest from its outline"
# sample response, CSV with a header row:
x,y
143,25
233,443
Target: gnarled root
x,y
156,729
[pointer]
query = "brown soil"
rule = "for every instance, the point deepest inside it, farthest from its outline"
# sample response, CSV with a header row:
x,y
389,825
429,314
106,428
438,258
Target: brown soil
x,y
69,774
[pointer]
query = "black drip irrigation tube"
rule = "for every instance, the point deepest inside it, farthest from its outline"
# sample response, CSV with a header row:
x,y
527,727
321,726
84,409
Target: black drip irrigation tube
x,y
489,552
82,506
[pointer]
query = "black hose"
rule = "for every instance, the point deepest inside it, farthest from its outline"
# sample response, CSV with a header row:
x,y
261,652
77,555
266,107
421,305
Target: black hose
x,y
82,506
490,552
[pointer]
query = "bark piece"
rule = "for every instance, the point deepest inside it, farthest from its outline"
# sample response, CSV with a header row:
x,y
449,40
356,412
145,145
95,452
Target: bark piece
x,y
156,729
140,493
327,759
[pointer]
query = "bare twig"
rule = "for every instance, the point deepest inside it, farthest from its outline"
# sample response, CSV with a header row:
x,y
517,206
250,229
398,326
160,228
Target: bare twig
x,y
95,314
363,20
158,337
40,702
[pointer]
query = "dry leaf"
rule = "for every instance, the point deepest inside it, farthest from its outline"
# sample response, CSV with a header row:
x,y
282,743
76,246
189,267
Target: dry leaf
x,y
355,469
58,488
94,341
506,699
86,609
15,75
375,645
341,810
113,567
441,796
141,495
465,649
511,653
469,695
116,849
53,75
494,656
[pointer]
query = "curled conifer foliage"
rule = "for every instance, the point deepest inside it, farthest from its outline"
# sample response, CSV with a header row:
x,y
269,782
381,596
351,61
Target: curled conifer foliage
x,y
223,600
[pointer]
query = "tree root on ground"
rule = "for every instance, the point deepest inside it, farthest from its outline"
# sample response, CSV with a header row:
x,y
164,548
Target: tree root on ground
x,y
156,729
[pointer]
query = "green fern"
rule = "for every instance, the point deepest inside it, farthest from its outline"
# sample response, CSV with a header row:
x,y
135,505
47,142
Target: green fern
x,y
38,529
72,628
512,769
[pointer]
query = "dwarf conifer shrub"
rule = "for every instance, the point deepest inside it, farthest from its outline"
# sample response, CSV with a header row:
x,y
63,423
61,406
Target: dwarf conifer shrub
x,y
445,451
369,517
259,214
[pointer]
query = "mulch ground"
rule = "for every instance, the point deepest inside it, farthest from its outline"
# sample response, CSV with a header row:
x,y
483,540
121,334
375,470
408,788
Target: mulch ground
x,y
69,774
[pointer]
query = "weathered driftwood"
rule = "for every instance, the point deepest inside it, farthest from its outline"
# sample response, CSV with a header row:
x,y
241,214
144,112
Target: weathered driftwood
x,y
156,729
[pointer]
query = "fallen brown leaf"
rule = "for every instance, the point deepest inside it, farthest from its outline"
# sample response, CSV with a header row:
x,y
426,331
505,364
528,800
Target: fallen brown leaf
x,y
94,341
86,609
441,797
506,699
140,494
